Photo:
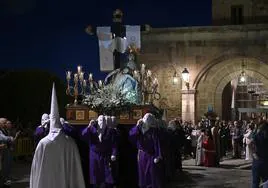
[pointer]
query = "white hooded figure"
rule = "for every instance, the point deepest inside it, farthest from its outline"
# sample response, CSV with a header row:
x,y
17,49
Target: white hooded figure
x,y
45,120
63,121
145,136
148,121
56,162
101,121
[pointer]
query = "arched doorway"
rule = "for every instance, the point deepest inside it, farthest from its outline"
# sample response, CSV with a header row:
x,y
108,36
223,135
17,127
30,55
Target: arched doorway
x,y
215,78
244,98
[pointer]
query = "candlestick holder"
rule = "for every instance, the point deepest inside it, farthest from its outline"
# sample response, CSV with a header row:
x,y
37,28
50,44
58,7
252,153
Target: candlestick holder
x,y
79,86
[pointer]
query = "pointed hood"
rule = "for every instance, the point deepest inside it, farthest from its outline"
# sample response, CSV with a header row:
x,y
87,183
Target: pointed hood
x,y
149,120
54,111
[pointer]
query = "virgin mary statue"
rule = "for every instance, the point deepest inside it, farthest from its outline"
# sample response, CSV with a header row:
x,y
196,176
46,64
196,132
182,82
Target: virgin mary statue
x,y
123,81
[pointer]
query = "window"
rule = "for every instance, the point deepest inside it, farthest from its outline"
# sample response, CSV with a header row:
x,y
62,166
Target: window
x,y
237,14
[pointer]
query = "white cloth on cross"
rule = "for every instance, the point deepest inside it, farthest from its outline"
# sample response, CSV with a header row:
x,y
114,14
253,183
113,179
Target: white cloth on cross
x,y
133,35
106,48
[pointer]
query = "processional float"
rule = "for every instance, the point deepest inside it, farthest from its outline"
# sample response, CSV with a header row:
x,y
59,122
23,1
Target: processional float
x,y
128,91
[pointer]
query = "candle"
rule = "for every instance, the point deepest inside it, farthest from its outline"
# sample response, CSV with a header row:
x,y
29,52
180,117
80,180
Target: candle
x,y
79,69
84,83
81,76
155,82
68,75
90,77
100,83
142,68
145,83
149,73
135,74
75,77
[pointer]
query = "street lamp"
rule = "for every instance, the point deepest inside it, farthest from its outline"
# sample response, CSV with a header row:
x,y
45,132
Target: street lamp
x,y
186,77
175,78
242,77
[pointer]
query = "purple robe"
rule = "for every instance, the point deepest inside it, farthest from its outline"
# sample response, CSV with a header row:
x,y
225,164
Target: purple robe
x,y
100,155
148,145
70,131
114,164
40,132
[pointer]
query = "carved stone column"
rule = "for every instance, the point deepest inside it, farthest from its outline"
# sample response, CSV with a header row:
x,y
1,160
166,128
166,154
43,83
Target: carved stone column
x,y
188,105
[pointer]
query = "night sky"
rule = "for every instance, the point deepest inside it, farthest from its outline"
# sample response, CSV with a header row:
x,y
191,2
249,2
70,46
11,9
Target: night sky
x,y
49,34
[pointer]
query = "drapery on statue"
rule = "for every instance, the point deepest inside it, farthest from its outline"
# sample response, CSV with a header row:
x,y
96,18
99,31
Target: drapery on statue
x,y
123,81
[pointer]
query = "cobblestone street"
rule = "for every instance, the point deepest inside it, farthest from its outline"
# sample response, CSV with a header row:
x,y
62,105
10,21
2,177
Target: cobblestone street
x,y
233,173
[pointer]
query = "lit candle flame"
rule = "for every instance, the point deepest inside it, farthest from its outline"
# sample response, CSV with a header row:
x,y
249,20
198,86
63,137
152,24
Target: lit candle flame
x,y
79,69
68,75
81,76
90,77
75,77
100,83
149,73
84,83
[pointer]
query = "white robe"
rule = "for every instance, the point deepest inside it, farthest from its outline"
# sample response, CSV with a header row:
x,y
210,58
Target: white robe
x,y
248,141
199,159
56,163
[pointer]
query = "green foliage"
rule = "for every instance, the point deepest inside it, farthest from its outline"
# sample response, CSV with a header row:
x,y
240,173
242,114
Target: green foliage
x,y
109,99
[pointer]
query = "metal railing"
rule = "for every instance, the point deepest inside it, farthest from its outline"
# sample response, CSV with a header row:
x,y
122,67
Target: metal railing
x,y
23,147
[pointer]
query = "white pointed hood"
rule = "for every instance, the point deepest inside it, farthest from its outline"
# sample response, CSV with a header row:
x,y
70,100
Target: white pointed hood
x,y
55,124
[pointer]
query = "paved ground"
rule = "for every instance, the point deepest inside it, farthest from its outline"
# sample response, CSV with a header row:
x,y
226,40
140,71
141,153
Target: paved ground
x,y
231,174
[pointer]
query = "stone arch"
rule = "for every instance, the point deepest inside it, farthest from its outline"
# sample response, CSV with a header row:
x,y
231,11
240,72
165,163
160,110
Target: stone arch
x,y
211,84
225,57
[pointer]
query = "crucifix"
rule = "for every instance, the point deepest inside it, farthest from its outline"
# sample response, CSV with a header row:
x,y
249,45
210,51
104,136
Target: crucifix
x,y
118,31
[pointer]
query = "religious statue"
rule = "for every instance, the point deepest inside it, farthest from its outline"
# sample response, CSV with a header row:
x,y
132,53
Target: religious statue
x,y
123,81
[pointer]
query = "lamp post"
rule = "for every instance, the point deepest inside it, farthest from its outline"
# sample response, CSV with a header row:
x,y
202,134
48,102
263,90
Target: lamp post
x,y
186,77
175,78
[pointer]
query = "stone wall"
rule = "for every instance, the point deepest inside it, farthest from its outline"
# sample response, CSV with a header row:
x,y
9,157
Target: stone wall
x,y
211,54
254,11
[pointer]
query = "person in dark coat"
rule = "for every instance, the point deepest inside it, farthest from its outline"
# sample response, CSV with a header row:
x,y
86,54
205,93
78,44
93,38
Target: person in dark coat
x,y
260,156
180,137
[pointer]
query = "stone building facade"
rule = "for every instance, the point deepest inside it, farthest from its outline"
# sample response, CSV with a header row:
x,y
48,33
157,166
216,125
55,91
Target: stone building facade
x,y
212,55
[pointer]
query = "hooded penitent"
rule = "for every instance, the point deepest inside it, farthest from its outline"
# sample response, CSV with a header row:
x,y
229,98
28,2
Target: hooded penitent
x,y
44,119
55,124
56,162
62,121
101,121
148,121
54,111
